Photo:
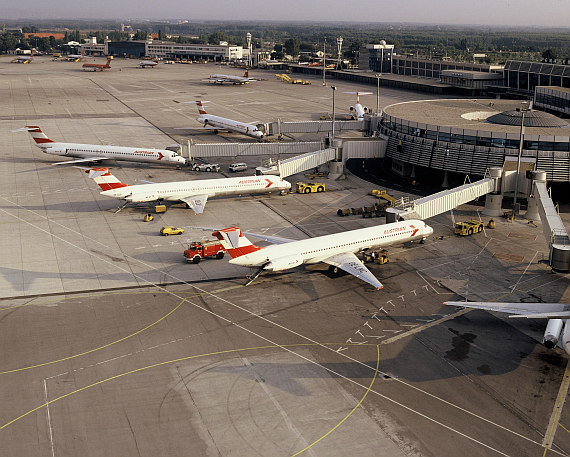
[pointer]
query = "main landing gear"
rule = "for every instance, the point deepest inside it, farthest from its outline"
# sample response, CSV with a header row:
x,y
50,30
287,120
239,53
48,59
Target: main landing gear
x,y
255,275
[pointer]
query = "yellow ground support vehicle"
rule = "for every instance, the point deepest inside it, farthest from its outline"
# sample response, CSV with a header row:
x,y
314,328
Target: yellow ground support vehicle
x,y
468,227
308,187
385,196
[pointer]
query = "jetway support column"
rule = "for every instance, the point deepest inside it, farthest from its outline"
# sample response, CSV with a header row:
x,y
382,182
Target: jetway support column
x,y
532,212
445,183
494,200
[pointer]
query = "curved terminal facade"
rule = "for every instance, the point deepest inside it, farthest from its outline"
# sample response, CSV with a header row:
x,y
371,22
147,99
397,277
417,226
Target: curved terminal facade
x,y
469,136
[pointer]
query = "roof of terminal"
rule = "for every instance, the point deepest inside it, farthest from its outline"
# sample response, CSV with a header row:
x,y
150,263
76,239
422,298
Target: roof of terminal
x,y
470,114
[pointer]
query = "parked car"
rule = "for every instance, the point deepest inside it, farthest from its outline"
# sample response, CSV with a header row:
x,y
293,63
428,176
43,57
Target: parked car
x,y
240,166
165,231
206,167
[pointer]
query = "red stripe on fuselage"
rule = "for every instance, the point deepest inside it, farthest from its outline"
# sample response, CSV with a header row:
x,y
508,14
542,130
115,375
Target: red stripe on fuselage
x,y
111,185
244,250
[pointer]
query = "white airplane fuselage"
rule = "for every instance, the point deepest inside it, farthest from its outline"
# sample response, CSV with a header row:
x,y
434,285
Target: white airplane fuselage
x,y
228,79
223,123
315,250
85,151
359,111
176,191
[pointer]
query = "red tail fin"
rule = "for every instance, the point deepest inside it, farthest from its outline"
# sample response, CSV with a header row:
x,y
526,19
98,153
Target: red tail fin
x,y
37,134
104,178
234,242
201,109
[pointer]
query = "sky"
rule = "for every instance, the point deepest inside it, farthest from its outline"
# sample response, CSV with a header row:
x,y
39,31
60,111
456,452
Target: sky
x,y
527,13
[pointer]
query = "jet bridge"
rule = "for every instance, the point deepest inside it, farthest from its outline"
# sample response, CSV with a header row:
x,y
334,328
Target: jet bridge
x,y
446,200
280,128
552,226
494,186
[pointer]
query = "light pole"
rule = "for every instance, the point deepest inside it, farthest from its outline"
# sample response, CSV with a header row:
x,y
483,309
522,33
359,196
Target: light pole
x,y
522,111
333,116
324,60
377,94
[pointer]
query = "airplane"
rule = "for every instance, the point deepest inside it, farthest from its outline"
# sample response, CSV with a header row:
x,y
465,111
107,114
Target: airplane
x,y
557,331
24,58
338,250
358,110
221,79
76,57
148,63
98,66
216,123
94,152
193,193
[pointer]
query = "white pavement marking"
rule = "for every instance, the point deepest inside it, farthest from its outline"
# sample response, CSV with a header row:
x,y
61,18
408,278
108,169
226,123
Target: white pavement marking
x,y
513,288
49,420
291,331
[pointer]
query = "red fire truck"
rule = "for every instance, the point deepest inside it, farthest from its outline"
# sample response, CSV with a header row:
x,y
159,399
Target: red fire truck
x,y
197,250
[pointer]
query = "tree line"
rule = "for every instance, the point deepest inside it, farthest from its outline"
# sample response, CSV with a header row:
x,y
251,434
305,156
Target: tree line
x,y
454,42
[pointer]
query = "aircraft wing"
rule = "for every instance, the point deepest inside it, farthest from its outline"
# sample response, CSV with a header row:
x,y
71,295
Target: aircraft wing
x,y
196,202
348,262
87,159
520,310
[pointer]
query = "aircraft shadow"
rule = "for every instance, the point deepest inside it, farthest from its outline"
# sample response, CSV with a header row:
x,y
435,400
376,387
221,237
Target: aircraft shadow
x,y
90,206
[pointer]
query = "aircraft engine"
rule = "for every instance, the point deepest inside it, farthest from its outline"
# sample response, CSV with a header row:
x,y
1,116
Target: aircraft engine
x,y
284,263
56,151
141,197
553,332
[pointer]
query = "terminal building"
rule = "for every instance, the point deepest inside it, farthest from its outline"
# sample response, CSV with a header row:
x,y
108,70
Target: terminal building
x,y
521,78
165,50
377,57
467,137
553,99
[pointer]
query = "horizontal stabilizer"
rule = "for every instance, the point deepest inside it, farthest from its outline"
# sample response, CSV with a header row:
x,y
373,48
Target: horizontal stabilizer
x,y
269,239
